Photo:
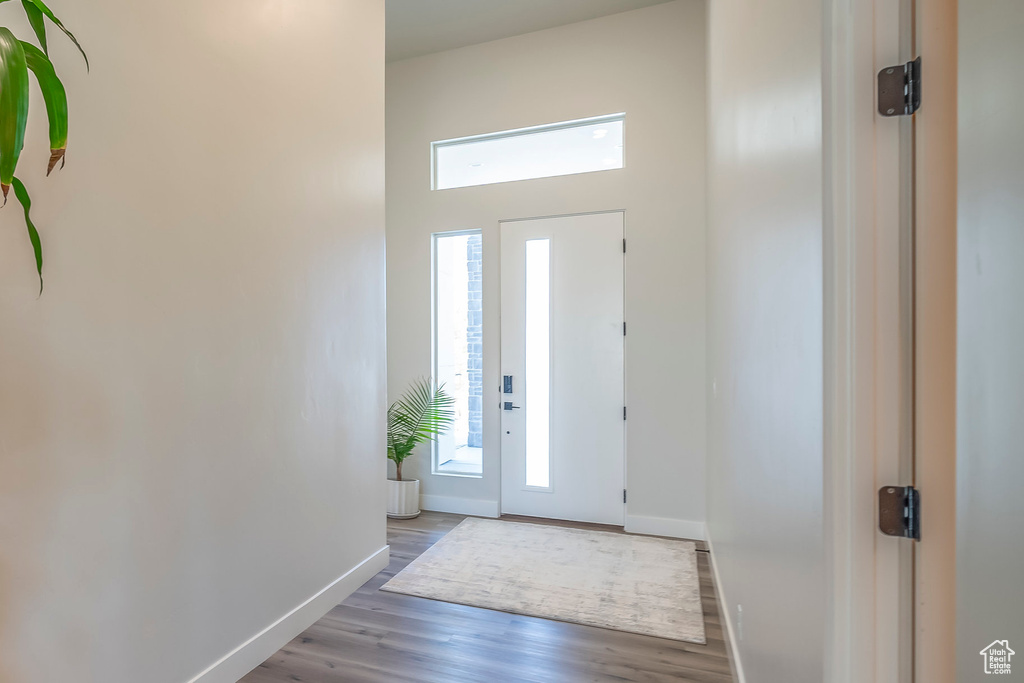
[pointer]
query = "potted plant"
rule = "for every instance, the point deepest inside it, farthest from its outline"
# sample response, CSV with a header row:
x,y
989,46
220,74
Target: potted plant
x,y
421,415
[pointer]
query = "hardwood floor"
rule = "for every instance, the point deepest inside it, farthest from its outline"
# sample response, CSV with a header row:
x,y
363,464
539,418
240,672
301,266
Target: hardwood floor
x,y
376,637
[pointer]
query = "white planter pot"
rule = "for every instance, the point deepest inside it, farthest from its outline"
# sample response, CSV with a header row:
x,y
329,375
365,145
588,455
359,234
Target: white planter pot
x,y
403,498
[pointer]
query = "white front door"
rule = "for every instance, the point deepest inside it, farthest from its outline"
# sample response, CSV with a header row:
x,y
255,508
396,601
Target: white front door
x,y
562,341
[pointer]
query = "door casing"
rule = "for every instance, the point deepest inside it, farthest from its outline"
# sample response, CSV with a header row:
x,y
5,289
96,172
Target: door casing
x,y
864,624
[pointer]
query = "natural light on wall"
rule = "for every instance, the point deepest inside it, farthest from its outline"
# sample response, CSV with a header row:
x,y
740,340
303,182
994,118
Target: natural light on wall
x,y
594,144
458,349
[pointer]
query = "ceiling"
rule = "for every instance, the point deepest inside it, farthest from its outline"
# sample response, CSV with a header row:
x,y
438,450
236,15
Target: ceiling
x,y
419,27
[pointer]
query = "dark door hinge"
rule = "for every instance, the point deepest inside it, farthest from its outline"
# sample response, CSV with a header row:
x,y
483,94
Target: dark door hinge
x,y
899,89
623,495
623,329
623,412
623,245
899,511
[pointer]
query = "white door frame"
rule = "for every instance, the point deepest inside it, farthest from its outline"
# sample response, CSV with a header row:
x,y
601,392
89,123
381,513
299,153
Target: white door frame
x,y
850,221
625,342
936,286
861,213
862,344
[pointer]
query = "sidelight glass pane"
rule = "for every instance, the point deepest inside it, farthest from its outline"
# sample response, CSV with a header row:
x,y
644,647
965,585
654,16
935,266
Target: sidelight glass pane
x,y
583,146
538,362
458,349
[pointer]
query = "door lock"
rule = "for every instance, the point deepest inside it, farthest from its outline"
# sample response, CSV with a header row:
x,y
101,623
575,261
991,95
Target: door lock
x,y
509,406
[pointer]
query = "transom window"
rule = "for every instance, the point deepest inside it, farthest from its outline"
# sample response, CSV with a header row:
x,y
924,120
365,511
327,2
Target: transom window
x,y
557,149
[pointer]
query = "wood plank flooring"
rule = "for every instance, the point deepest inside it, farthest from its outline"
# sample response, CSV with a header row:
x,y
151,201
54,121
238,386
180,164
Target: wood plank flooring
x,y
376,637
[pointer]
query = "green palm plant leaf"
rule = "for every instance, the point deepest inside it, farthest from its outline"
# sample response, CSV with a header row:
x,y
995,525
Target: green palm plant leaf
x,y
56,100
41,7
38,23
17,58
13,106
33,235
421,415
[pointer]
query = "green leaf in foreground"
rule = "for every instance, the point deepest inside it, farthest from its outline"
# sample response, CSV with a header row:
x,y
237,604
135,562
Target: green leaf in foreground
x,y
41,6
56,100
35,19
13,105
37,245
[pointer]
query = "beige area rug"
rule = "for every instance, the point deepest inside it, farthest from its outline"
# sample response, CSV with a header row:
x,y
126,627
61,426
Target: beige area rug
x,y
627,583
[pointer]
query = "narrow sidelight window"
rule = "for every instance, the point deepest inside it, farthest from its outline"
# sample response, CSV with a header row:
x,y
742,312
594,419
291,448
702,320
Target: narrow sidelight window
x,y
538,362
458,349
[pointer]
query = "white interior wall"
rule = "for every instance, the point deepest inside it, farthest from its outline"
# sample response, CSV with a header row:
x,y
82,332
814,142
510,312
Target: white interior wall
x,y
191,416
990,368
648,63
765,331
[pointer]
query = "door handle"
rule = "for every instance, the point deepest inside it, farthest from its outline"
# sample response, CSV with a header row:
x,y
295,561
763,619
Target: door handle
x,y
508,406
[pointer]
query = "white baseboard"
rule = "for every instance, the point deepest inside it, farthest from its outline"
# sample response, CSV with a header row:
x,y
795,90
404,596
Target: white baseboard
x,y
663,526
723,604
253,652
460,506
